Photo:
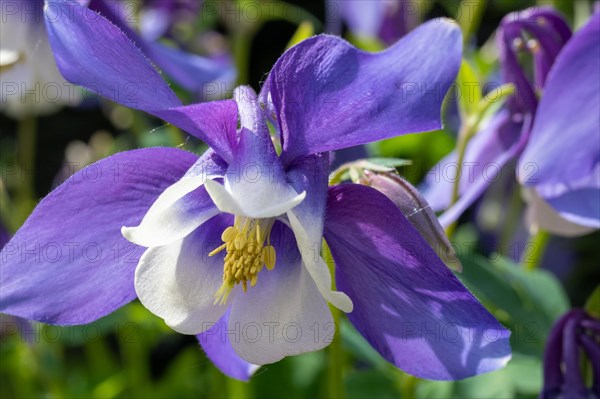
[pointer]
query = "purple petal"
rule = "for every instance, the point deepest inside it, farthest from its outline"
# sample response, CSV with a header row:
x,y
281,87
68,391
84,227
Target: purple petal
x,y
548,29
255,182
407,304
189,70
574,386
193,72
553,376
215,123
566,127
579,206
69,263
329,95
364,18
217,346
486,154
93,52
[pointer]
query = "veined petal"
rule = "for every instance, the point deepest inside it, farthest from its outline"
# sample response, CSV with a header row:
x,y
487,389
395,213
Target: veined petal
x,y
216,342
329,95
180,209
310,174
178,282
110,64
566,127
407,304
69,264
283,314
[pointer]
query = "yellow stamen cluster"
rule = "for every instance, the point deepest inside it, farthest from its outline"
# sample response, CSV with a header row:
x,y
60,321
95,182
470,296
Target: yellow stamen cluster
x,y
246,254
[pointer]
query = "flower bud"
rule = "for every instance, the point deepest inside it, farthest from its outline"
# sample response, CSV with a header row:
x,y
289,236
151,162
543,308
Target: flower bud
x,y
412,205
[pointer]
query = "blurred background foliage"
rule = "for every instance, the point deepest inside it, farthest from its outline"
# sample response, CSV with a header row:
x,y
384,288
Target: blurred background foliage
x,y
132,353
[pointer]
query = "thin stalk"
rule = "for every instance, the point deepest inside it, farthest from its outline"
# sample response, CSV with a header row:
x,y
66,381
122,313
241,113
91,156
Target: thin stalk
x,y
238,389
468,130
336,358
242,42
335,369
532,260
513,217
469,17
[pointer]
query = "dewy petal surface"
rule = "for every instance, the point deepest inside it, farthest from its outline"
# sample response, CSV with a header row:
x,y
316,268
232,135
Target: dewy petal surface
x,y
216,343
180,209
178,282
69,263
110,64
329,95
407,304
283,314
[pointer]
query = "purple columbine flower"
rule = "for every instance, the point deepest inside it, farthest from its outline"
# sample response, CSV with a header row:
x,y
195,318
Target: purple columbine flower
x,y
33,85
232,239
557,134
573,334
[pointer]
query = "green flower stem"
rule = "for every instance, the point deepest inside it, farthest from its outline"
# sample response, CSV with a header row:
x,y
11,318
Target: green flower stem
x,y
335,369
469,17
238,389
468,130
242,42
336,358
511,221
534,250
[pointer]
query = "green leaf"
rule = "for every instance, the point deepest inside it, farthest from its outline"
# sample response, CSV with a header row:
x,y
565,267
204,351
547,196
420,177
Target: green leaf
x,y
469,89
527,302
592,305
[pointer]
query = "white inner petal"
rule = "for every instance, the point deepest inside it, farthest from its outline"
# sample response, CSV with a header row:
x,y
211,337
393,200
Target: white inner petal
x,y
540,215
271,204
177,283
167,220
283,315
310,246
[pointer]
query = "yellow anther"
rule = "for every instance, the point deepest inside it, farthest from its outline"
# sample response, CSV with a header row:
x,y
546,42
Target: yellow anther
x,y
269,257
246,254
229,234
